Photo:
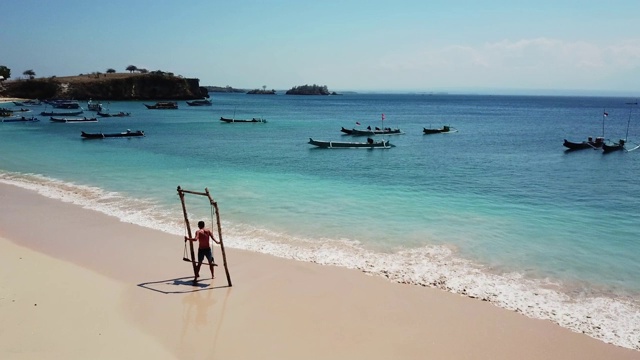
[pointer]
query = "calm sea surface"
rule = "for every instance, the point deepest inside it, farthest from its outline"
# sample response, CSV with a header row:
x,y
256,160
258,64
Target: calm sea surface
x,y
497,210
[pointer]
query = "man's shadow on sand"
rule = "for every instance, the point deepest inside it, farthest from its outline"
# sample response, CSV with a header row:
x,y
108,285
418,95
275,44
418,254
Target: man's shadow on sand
x,y
168,286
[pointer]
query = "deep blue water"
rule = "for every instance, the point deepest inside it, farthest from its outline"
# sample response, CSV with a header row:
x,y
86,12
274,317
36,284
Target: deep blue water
x,y
496,210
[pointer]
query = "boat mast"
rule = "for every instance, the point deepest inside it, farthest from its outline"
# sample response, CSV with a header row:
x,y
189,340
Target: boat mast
x,y
629,121
604,111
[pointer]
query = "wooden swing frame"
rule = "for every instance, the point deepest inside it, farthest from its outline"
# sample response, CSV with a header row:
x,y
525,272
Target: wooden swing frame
x,y
214,204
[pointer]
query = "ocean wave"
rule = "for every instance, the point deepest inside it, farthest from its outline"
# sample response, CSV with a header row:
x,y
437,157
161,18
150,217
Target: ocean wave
x,y
610,318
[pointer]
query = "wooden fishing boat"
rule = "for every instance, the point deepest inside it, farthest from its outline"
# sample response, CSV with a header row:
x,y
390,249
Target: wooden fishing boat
x,y
54,113
254,120
590,143
620,145
617,146
346,131
376,131
444,129
118,114
163,105
20,119
369,144
91,106
66,104
72,120
123,134
202,102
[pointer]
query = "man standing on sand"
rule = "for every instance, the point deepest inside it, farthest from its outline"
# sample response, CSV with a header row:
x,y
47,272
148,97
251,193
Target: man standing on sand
x,y
202,235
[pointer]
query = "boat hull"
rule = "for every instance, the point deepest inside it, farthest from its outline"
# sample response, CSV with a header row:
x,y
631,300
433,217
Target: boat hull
x,y
68,120
444,129
589,144
54,113
163,106
607,148
381,144
367,132
199,103
123,134
254,120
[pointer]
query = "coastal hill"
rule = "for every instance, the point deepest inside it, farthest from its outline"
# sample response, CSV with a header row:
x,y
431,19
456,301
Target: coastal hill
x,y
117,86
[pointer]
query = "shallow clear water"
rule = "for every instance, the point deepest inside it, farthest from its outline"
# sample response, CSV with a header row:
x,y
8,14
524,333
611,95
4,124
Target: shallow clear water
x,y
496,210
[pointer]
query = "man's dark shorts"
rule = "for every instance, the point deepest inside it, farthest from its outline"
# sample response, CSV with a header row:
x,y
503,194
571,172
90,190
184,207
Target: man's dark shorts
x,y
202,253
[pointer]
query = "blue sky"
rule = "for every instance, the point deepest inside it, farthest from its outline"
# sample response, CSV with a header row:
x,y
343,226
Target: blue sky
x,y
520,46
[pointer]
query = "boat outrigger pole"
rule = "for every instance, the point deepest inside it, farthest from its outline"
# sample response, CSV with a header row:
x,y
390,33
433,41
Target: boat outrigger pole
x,y
214,206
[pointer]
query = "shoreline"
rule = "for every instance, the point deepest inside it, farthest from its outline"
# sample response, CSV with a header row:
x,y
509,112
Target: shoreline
x,y
283,308
609,319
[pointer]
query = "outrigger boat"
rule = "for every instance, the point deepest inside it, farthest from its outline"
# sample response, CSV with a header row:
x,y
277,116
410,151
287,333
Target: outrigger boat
x,y
202,102
127,133
369,132
68,113
254,120
370,144
588,144
620,145
163,105
119,114
444,129
72,120
21,119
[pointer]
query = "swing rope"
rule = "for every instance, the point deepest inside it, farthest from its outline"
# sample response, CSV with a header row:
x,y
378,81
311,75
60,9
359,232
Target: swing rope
x,y
185,254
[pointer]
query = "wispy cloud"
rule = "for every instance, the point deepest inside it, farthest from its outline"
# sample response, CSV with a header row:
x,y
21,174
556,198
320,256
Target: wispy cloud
x,y
524,63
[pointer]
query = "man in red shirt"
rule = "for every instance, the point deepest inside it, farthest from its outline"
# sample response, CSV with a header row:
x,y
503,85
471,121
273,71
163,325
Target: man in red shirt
x,y
204,250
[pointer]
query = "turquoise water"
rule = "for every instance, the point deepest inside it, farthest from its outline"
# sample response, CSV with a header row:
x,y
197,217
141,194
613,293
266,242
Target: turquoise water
x,y
497,210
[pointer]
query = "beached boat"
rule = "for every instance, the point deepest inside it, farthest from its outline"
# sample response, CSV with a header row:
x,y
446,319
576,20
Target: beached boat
x,y
254,120
20,119
123,134
590,143
163,105
63,113
72,120
369,144
118,114
202,102
444,129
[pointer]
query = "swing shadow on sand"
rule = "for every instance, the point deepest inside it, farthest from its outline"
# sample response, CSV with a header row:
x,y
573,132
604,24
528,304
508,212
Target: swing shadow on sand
x,y
168,286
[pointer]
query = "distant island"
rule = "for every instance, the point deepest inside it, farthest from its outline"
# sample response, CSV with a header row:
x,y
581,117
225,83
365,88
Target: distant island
x,y
224,89
264,91
310,90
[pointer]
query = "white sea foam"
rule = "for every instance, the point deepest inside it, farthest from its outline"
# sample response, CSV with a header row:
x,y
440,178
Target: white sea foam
x,y
614,320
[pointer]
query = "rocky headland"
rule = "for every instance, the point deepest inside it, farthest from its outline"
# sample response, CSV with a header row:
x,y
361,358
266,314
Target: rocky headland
x,y
118,86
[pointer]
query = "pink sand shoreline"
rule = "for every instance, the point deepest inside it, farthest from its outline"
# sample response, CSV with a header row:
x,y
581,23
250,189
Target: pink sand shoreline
x,y
277,308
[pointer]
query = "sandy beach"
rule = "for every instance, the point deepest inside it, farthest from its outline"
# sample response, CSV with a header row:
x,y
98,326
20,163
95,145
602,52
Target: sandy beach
x,y
77,283
8,100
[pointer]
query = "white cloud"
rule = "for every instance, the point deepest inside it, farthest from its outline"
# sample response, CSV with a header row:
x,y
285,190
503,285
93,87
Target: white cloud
x,y
525,63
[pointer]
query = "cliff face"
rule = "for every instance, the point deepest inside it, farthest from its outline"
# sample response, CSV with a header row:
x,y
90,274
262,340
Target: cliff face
x,y
134,87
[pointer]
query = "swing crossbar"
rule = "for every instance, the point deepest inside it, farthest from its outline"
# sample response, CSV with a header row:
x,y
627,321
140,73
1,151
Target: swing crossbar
x,y
192,192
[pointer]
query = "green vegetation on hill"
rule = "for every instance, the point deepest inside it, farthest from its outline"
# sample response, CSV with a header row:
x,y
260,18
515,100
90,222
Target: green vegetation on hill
x,y
261,92
224,89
